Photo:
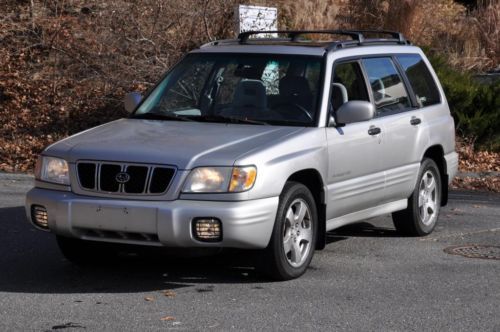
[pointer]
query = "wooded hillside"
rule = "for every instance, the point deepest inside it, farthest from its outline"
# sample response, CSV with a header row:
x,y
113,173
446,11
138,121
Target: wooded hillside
x,y
66,64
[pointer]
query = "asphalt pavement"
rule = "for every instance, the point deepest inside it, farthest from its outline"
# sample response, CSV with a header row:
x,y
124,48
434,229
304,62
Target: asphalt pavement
x,y
367,278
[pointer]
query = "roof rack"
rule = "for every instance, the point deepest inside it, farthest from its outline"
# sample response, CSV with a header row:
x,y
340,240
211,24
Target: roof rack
x,y
358,37
294,34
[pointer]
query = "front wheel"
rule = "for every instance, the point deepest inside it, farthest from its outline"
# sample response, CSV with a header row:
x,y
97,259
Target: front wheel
x,y
422,213
293,239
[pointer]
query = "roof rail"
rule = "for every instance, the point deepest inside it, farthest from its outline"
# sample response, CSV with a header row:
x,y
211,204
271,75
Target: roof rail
x,y
294,34
220,42
396,35
358,36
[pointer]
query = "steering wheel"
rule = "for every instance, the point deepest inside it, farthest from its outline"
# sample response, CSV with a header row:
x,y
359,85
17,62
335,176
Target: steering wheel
x,y
297,106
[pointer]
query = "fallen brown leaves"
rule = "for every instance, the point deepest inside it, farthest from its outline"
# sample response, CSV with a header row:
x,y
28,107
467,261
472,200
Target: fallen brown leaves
x,y
482,163
472,160
167,318
169,293
491,183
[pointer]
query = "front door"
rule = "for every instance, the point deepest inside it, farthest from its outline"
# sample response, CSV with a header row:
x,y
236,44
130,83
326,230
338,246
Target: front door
x,y
355,173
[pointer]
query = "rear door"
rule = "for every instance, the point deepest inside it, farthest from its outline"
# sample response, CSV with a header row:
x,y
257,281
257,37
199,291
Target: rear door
x,y
355,172
401,118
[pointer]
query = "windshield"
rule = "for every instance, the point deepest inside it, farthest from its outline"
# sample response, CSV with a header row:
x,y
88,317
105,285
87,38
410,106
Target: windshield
x,y
238,88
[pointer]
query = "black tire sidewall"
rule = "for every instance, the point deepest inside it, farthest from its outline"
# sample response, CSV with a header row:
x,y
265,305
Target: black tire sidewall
x,y
421,228
283,270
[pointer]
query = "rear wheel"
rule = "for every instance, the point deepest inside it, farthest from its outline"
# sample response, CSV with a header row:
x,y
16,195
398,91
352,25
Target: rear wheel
x,y
292,243
422,213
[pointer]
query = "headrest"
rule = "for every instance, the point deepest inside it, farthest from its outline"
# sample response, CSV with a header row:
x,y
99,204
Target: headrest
x,y
250,93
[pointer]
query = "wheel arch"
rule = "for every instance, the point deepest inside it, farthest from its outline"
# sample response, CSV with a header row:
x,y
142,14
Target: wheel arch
x,y
311,178
436,153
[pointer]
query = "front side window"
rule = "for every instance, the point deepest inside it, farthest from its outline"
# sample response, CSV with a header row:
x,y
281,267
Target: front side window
x,y
250,88
389,92
349,74
422,83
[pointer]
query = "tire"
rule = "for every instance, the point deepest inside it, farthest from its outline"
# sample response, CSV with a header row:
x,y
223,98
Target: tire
x,y
291,247
422,213
84,253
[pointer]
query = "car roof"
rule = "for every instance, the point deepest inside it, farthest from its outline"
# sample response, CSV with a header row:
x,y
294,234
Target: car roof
x,y
308,50
263,48
294,44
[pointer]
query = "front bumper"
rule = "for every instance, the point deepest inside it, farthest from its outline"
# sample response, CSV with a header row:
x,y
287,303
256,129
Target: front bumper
x,y
245,224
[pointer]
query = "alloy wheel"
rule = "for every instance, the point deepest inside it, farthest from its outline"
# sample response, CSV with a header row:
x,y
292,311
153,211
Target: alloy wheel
x,y
297,233
428,198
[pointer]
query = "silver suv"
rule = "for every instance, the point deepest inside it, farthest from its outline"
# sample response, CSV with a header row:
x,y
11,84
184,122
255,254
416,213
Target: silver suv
x,y
258,143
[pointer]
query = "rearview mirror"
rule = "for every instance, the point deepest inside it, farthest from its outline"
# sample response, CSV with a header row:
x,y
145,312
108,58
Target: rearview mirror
x,y
355,111
131,101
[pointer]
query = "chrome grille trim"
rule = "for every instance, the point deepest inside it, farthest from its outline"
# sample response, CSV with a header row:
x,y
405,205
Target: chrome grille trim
x,y
123,168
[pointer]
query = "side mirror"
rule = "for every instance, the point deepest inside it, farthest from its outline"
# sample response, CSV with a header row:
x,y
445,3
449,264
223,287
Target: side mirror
x,y
339,97
131,101
339,91
355,111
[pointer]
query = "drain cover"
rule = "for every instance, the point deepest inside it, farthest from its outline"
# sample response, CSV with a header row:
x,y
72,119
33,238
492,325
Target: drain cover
x,y
475,251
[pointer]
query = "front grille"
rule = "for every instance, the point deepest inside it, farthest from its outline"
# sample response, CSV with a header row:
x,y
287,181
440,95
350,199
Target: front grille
x,y
160,177
117,178
107,178
87,175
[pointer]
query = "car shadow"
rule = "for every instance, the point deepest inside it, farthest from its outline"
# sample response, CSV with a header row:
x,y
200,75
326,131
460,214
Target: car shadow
x,y
361,229
30,262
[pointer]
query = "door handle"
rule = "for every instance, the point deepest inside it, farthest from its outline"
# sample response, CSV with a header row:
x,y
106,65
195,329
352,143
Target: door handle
x,y
415,121
374,131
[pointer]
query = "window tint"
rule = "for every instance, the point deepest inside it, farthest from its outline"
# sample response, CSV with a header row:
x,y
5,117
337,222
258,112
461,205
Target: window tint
x,y
313,75
388,89
185,93
420,78
349,75
255,88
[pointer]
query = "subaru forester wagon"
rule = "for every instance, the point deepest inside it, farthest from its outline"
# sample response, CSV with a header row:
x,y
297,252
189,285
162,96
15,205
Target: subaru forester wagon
x,y
258,143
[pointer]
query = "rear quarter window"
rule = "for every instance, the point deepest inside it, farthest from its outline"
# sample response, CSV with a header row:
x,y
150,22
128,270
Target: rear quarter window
x,y
421,80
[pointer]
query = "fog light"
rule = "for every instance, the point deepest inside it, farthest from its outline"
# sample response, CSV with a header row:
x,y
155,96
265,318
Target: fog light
x,y
207,229
39,216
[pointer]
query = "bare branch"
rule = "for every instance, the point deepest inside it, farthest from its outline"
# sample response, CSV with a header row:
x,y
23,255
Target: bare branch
x,y
207,31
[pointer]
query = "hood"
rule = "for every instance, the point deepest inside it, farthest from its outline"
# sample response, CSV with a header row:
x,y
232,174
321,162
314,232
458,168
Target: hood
x,y
183,144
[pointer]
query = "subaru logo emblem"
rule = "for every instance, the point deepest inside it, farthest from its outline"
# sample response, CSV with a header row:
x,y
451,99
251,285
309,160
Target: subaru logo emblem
x,y
122,177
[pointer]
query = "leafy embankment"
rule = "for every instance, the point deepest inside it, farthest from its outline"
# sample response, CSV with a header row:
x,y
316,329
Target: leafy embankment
x,y
65,65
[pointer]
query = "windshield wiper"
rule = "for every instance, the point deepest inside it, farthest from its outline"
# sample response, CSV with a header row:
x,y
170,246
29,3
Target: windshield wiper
x,y
161,116
228,119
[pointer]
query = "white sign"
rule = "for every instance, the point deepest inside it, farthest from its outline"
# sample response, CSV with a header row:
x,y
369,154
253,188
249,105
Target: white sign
x,y
256,18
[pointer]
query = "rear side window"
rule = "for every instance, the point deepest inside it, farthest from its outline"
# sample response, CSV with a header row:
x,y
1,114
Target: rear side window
x,y
389,91
420,78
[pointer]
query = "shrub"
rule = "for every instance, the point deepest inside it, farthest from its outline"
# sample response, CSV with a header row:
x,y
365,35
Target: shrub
x,y
475,106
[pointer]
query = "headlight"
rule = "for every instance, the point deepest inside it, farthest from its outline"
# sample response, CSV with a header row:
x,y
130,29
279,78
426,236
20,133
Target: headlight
x,y
52,169
220,179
